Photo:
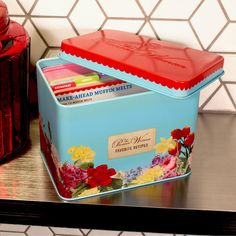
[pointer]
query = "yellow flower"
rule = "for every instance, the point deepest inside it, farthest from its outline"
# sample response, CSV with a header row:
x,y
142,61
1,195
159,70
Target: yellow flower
x,y
72,149
81,153
90,191
165,145
150,175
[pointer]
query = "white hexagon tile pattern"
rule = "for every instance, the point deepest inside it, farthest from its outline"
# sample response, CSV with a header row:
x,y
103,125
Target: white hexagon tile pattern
x,y
84,22
27,230
204,24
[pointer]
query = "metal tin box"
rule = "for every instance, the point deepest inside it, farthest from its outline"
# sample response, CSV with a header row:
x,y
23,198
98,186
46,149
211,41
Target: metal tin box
x,y
130,141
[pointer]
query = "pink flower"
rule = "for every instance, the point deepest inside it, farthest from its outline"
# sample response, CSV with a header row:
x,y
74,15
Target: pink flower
x,y
169,167
170,174
72,175
190,160
169,163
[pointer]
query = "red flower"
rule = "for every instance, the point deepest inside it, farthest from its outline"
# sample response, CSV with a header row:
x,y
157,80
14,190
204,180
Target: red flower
x,y
175,150
172,151
176,134
189,140
186,131
100,176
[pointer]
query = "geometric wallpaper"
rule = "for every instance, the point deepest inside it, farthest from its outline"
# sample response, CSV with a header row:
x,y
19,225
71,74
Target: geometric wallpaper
x,y
203,24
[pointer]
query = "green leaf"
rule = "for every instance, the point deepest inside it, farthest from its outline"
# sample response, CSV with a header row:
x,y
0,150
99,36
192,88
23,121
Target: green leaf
x,y
65,163
182,158
77,163
116,183
80,188
105,188
86,165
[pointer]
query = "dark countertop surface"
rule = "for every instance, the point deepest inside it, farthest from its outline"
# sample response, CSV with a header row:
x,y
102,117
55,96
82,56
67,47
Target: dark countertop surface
x,y
203,203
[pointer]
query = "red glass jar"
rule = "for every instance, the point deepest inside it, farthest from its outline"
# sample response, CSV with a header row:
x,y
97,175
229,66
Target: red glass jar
x,y
14,85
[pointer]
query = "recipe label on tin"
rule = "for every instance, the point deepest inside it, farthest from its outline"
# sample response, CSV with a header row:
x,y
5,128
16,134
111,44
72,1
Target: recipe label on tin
x,y
131,143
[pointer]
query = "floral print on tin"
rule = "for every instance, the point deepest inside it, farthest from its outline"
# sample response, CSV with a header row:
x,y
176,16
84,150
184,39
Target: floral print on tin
x,y
79,177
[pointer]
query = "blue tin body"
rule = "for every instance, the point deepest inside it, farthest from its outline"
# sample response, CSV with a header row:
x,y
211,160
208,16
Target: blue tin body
x,y
70,132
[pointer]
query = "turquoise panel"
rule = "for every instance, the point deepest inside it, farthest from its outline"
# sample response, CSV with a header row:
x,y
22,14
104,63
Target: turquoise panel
x,y
91,125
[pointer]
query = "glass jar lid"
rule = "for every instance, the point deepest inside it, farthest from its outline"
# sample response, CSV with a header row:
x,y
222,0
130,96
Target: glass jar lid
x,y
4,19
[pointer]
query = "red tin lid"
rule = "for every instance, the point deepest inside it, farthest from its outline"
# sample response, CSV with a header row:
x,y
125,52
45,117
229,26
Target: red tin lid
x,y
161,62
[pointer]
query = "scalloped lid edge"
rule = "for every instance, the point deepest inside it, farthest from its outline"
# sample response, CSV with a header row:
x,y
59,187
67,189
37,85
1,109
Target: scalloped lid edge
x,y
153,64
